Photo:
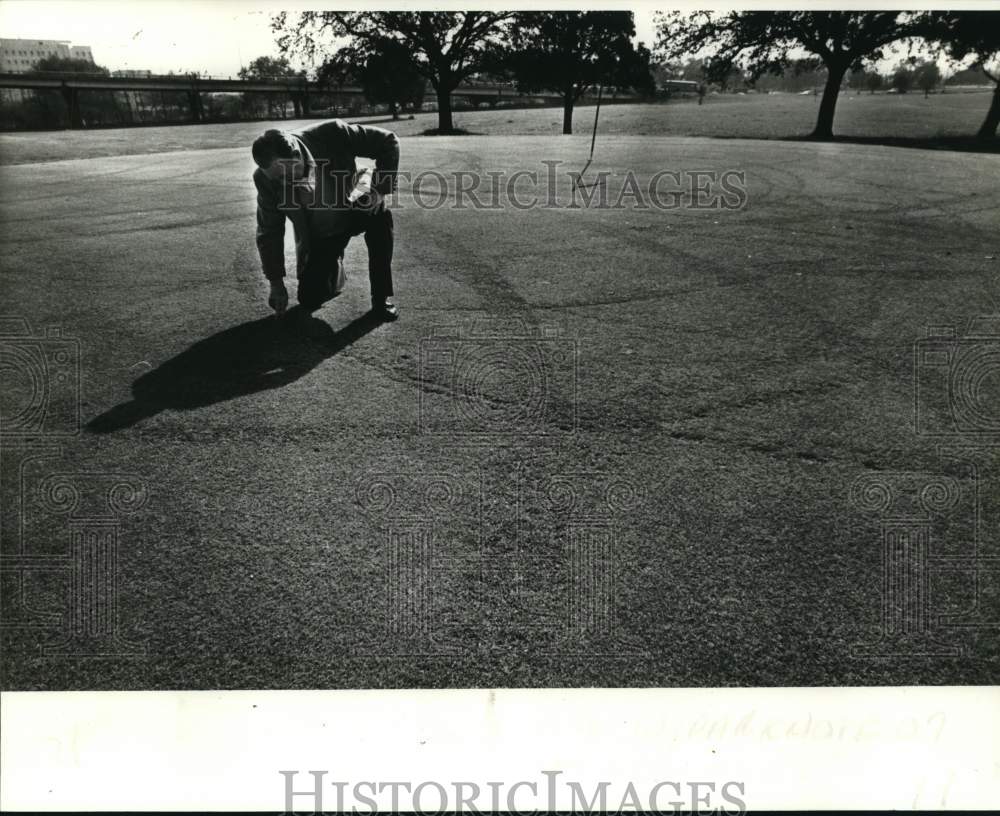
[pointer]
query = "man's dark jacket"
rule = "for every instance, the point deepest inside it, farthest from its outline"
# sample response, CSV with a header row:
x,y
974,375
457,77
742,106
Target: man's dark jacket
x,y
330,147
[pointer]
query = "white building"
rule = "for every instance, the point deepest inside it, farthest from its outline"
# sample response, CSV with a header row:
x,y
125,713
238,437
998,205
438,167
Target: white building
x,y
17,56
81,52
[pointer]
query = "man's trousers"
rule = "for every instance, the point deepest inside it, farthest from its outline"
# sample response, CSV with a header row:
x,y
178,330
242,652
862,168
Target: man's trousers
x,y
324,276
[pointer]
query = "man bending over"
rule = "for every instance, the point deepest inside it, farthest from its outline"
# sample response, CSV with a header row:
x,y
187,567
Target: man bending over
x,y
310,177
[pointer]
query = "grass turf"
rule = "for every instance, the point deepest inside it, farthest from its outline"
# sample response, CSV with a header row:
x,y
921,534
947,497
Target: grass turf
x,y
738,370
939,120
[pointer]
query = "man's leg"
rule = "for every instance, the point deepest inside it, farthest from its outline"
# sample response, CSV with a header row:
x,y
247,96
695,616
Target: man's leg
x,y
323,276
379,239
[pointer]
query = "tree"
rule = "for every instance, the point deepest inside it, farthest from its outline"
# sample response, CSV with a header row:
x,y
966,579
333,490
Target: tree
x,y
732,80
902,78
573,51
90,107
389,77
69,65
969,76
269,68
865,79
927,75
445,47
971,35
767,40
341,68
694,70
856,79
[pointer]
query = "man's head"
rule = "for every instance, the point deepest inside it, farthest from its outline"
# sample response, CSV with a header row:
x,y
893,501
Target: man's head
x,y
279,156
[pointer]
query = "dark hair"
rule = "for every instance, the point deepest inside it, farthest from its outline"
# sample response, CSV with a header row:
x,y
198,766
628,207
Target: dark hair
x,y
270,145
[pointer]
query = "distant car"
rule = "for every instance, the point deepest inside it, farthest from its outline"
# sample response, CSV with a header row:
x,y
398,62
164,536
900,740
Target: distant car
x,y
806,93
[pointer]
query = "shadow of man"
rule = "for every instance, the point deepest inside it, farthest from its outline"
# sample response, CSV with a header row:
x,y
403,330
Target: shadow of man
x,y
244,359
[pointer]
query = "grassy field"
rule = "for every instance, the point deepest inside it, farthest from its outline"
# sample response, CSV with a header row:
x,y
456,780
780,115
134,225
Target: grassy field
x,y
657,464
754,116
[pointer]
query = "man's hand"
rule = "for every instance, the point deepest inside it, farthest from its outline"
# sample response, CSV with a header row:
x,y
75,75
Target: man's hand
x,y
368,203
278,299
364,197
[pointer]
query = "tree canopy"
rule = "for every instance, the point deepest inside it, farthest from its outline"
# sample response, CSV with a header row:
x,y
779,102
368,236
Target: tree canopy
x,y
69,65
768,41
445,47
572,51
975,36
390,77
267,67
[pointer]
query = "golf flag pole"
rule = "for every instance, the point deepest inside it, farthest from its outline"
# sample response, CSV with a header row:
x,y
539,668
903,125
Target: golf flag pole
x,y
597,112
593,141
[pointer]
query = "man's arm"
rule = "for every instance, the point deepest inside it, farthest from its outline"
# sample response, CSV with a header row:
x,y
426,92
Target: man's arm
x,y
270,230
381,145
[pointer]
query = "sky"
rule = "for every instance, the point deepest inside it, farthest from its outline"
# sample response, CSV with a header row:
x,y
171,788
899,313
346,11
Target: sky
x,y
215,37
218,37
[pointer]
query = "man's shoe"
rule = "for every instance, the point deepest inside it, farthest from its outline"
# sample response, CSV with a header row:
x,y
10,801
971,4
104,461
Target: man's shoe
x,y
383,309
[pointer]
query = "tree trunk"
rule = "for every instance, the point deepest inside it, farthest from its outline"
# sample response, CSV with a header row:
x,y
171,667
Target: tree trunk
x,y
989,128
828,104
568,100
444,109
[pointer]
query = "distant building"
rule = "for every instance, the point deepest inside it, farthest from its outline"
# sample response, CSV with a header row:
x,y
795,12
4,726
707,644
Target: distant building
x,y
679,86
17,56
81,52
